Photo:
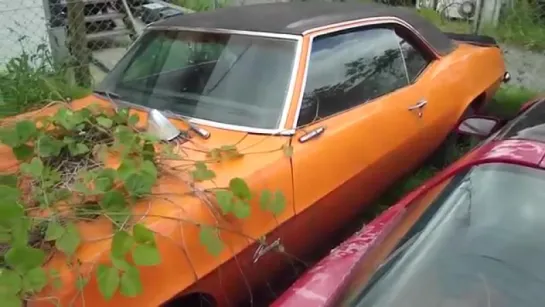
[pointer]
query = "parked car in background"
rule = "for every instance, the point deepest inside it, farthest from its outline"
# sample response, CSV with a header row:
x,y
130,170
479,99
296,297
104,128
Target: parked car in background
x,y
470,236
363,93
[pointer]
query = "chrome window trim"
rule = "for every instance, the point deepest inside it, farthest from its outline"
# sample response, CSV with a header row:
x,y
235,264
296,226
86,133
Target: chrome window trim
x,y
344,26
279,132
281,127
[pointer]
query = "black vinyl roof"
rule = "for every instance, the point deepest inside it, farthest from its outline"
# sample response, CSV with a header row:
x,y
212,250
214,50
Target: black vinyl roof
x,y
298,17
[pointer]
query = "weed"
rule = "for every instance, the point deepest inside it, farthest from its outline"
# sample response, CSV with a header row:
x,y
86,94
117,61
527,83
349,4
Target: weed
x,y
200,5
31,80
521,24
508,100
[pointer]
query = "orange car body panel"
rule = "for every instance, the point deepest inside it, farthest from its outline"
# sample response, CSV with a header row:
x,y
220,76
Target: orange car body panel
x,y
327,180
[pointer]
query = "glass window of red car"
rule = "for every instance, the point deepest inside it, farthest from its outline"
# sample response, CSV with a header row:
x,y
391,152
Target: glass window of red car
x,y
480,243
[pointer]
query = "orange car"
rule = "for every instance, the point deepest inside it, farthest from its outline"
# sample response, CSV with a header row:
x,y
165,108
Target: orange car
x,y
363,93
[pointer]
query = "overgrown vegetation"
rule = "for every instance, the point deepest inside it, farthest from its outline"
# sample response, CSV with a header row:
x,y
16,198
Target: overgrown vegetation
x,y
522,24
82,166
201,5
33,79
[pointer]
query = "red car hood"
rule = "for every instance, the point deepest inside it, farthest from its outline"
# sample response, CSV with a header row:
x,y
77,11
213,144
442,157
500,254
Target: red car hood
x,y
320,285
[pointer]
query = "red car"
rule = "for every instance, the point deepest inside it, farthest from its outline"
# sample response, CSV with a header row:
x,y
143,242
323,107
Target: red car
x,y
473,235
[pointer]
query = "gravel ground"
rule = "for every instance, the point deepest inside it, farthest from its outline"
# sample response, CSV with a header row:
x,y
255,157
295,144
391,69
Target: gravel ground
x,y
527,68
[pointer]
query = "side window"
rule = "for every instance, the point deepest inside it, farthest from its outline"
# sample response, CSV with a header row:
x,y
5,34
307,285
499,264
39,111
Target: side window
x,y
349,68
415,60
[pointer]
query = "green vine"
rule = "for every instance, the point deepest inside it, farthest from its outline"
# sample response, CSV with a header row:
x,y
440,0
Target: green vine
x,y
65,177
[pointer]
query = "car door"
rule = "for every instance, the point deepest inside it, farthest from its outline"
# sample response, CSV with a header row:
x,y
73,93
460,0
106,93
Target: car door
x,y
439,95
357,123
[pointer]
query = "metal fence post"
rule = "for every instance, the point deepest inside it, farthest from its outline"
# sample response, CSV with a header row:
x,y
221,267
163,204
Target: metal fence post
x,y
77,38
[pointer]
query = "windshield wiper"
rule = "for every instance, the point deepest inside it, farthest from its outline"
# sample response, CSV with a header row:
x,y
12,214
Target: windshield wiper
x,y
203,133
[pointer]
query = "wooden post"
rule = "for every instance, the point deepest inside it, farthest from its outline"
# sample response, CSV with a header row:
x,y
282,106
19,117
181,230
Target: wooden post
x,y
77,40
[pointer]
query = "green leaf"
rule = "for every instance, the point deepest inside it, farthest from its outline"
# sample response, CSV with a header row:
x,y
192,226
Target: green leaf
x,y
133,119
265,200
138,184
9,137
278,204
10,282
35,168
275,204
225,200
8,180
122,243
146,255
103,183
241,209
105,122
210,239
68,119
230,151
240,188
10,209
149,168
127,168
122,115
8,194
131,285
113,201
202,173
124,135
22,152
77,149
143,235
35,280
61,194
148,153
69,241
54,231
288,150
48,146
20,231
24,258
25,130
119,263
5,235
119,216
11,300
108,280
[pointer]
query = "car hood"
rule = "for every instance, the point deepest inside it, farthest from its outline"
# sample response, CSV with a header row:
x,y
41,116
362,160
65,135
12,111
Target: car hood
x,y
166,214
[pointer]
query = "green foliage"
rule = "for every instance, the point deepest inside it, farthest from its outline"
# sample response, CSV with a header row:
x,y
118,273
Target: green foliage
x,y
521,23
63,164
201,5
31,80
509,99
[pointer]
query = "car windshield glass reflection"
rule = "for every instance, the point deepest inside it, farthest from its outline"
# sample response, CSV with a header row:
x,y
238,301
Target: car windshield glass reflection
x,y
225,78
485,246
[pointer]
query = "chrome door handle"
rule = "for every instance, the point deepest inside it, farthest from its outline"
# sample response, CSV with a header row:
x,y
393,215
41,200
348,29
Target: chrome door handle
x,y
421,104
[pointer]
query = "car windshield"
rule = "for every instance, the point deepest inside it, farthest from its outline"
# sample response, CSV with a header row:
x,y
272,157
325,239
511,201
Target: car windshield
x,y
225,78
481,242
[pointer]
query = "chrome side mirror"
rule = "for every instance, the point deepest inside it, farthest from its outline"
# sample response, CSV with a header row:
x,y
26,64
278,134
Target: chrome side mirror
x,y
160,126
478,126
